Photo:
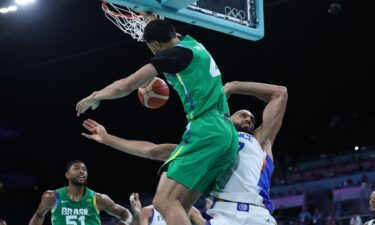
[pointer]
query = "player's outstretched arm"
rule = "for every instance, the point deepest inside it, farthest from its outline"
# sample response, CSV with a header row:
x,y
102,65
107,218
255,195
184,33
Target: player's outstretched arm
x,y
105,203
46,204
273,114
118,89
138,148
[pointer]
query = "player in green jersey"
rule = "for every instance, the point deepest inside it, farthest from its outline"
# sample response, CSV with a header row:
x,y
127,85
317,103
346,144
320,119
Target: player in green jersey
x,y
202,155
76,204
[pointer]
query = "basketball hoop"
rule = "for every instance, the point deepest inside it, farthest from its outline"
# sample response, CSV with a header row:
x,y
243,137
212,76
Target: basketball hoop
x,y
126,19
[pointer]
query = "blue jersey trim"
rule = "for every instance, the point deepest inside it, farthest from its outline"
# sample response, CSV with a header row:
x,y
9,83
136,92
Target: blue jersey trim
x,y
265,183
151,217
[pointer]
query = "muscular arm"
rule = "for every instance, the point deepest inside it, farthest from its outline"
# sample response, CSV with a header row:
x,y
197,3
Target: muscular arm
x,y
109,206
138,148
125,86
273,114
46,204
118,89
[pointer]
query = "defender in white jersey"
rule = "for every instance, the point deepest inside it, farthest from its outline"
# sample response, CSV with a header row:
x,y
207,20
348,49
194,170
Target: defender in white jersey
x,y
242,196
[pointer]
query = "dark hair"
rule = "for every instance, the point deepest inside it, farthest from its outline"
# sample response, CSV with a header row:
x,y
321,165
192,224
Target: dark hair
x,y
71,163
159,30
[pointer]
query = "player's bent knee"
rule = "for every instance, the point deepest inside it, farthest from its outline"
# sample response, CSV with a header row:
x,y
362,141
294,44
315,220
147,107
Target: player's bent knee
x,y
163,203
160,204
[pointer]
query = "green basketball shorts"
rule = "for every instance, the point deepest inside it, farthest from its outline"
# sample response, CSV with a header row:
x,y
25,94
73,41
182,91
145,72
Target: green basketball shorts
x,y
208,147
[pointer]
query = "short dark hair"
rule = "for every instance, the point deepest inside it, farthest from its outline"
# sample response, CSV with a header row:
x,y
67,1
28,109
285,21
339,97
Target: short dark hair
x,y
71,163
159,30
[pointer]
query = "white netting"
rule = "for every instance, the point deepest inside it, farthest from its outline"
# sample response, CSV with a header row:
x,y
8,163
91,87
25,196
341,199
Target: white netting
x,y
124,18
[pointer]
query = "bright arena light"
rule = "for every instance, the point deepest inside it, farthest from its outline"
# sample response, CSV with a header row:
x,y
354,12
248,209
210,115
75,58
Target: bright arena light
x,y
4,10
24,2
12,8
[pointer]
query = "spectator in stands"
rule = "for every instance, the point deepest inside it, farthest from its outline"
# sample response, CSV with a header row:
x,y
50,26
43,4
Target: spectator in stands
x,y
304,217
333,214
355,220
365,182
317,217
3,222
372,208
348,182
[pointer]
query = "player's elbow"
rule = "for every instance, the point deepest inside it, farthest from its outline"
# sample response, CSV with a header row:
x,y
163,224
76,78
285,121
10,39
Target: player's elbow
x,y
37,217
283,94
126,216
155,154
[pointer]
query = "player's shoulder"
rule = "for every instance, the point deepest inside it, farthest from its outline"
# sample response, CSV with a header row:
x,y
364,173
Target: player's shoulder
x,y
103,201
101,197
49,196
49,193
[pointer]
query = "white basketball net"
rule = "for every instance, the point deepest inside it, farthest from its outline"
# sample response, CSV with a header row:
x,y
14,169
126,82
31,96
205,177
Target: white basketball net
x,y
125,19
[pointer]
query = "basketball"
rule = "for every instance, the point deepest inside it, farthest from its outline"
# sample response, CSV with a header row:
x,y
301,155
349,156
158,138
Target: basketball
x,y
154,94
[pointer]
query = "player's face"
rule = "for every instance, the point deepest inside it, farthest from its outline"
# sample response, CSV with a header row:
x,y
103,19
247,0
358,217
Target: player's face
x,y
372,201
77,174
244,121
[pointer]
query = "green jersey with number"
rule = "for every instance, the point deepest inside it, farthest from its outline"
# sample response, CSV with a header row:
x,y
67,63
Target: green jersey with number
x,y
69,212
199,85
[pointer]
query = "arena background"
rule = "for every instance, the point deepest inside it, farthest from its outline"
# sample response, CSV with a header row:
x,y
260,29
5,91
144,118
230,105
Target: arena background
x,y
54,53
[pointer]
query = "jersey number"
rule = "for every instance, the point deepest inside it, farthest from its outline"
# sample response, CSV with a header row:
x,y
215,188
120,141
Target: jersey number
x,y
240,146
214,71
71,220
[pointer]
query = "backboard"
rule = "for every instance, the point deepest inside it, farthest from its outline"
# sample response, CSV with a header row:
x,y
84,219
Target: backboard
x,y
241,18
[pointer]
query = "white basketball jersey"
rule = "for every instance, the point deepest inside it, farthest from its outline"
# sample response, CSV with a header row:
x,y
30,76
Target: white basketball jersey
x,y
249,179
156,218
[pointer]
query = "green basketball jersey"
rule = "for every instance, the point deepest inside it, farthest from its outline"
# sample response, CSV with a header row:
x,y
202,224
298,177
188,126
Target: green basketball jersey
x,y
199,85
69,212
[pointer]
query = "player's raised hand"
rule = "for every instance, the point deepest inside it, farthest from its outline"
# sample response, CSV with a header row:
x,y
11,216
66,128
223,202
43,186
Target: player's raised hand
x,y
97,131
85,104
135,203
